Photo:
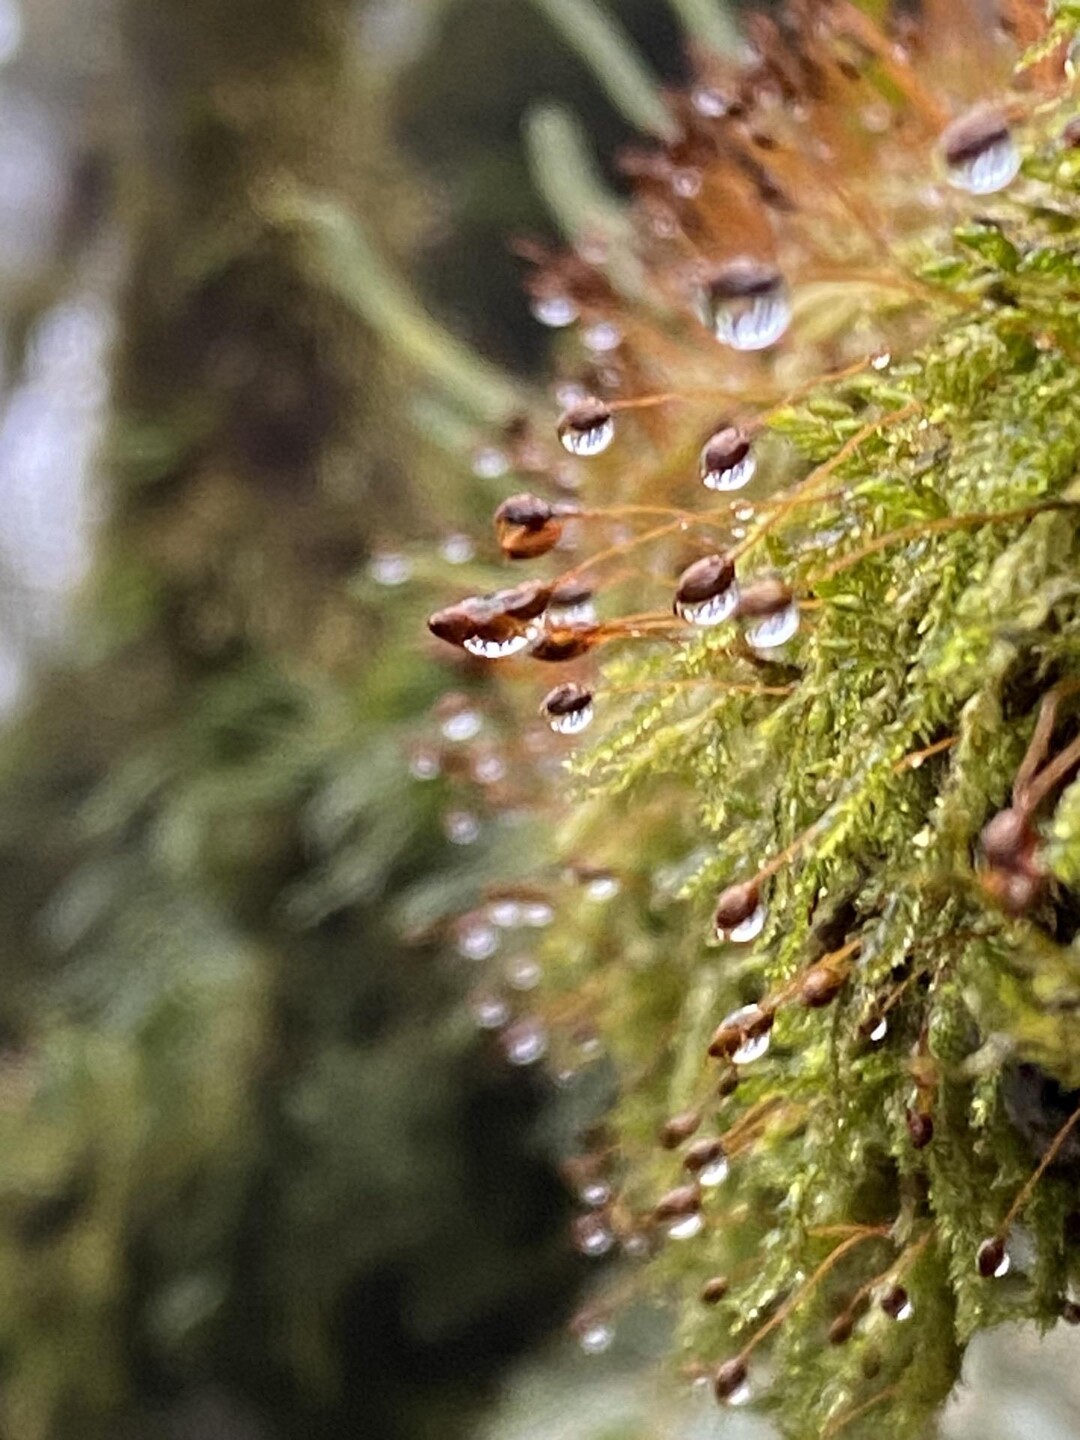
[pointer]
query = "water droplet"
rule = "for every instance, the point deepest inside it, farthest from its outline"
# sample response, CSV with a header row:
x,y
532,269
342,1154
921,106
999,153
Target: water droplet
x,y
490,1012
596,1338
525,1042
461,827
457,549
708,102
686,183
750,928
774,630
993,1259
555,311
741,1395
523,972
880,1030
731,1384
490,464
727,461
714,1174
602,888
390,568
593,1236
747,306
602,337
537,914
881,361
897,1303
462,725
424,765
477,940
596,1194
587,429
752,1029
685,1227
979,152
488,769
504,913
707,592
568,709
487,649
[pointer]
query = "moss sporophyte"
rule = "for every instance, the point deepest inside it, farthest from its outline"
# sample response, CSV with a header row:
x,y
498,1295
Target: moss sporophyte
x,y
825,479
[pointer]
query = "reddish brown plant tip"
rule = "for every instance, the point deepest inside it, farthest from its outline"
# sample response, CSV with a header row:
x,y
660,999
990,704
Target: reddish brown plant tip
x,y
730,1379
728,1083
679,1128
820,986
764,598
705,579
714,1290
841,1329
683,1200
587,429
703,1153
454,624
920,1128
736,904
564,643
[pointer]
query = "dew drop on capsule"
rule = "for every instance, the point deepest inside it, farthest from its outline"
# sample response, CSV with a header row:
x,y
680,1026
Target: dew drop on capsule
x,y
727,461
424,765
685,1227
714,1174
523,973
489,1011
462,725
707,592
748,929
879,1031
593,1236
755,1032
568,709
390,569
979,152
487,648
596,1337
993,1259
774,630
554,311
746,304
525,1042
536,914
461,827
602,338
602,888
490,464
596,1194
457,549
477,940
587,429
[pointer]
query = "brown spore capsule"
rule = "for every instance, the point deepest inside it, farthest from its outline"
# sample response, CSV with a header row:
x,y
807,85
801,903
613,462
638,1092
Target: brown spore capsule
x,y
819,986
728,1083
705,579
736,904
683,1200
569,593
522,602
702,1154
991,1258
920,1128
763,598
727,461
679,1128
527,525
714,1290
568,699
743,278
587,429
730,1379
1070,1312
840,1331
564,643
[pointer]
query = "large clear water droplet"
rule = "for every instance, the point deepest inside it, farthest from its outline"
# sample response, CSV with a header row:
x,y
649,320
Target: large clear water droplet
x,y
979,152
713,611
753,323
774,630
733,477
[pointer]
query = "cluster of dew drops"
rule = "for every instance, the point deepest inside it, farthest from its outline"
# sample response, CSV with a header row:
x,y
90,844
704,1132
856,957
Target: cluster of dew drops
x,y
746,305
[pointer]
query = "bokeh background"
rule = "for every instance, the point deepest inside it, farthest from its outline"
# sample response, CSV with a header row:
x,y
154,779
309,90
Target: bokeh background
x,y
262,1173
